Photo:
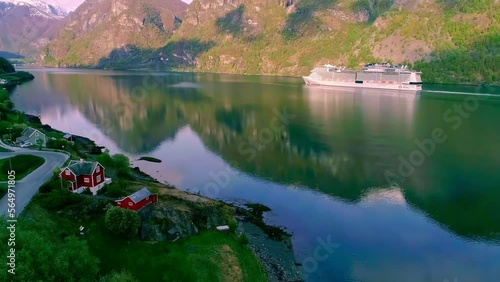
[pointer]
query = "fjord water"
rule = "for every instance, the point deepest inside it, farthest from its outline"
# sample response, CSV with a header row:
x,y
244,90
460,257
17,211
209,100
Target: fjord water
x,y
374,185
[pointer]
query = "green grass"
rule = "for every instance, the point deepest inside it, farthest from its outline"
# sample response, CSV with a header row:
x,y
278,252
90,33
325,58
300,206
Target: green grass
x,y
4,150
209,256
21,164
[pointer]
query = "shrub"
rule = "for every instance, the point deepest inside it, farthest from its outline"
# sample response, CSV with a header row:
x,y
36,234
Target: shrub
x,y
59,199
116,165
56,171
87,209
233,225
243,239
87,191
102,190
116,189
122,222
56,144
47,187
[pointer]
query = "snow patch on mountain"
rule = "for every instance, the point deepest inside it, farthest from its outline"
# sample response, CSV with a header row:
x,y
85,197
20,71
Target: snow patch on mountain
x,y
37,8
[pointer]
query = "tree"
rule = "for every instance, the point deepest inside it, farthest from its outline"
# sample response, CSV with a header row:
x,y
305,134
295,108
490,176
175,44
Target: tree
x,y
122,222
116,189
42,258
116,166
121,160
6,66
105,160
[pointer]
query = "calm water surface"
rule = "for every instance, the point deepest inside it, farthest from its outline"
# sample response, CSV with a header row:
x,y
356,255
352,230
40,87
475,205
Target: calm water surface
x,y
357,168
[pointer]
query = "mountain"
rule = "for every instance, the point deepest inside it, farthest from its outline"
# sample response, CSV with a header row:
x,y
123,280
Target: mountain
x,y
27,25
98,27
451,41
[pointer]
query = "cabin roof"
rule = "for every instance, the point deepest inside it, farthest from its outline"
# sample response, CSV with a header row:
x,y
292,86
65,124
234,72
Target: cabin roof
x,y
82,167
140,195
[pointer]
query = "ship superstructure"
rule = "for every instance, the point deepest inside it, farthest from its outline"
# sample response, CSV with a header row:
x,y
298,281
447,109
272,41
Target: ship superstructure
x,y
383,75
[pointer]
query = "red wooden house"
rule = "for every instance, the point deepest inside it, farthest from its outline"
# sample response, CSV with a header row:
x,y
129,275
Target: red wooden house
x,y
83,174
137,200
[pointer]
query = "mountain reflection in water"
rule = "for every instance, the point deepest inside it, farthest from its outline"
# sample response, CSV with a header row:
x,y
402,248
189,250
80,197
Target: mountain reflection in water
x,y
323,172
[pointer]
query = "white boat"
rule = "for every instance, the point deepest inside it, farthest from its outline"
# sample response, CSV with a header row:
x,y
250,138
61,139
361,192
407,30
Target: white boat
x,y
381,76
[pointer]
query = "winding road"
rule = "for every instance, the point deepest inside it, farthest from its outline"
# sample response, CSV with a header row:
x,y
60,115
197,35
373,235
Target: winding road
x,y
28,186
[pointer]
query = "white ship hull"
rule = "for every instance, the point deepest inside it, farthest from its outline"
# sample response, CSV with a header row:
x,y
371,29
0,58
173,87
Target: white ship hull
x,y
377,85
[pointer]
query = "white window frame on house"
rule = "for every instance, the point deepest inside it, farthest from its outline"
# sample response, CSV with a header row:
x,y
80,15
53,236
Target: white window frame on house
x,y
67,172
98,178
86,180
98,168
130,204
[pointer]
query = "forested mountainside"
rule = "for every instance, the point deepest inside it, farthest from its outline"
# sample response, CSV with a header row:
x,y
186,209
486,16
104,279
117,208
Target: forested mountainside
x,y
104,31
451,41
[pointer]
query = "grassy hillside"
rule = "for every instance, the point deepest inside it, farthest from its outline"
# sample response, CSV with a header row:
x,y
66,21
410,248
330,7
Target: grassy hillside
x,y
452,41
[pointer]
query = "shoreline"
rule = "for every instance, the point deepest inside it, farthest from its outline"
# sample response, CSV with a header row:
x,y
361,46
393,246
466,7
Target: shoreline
x,y
132,69
275,253
279,266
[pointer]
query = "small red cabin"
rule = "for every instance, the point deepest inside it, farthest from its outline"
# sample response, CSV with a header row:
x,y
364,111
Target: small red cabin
x,y
83,174
137,200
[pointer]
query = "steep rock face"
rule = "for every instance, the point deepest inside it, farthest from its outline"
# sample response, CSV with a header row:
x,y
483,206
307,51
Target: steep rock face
x,y
291,37
186,218
99,27
283,37
27,26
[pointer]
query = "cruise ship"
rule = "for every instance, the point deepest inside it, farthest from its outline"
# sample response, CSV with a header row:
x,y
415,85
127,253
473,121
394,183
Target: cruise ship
x,y
383,76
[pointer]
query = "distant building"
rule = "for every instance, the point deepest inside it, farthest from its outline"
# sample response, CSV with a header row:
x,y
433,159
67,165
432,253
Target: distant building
x,y
137,200
3,81
68,137
33,136
83,174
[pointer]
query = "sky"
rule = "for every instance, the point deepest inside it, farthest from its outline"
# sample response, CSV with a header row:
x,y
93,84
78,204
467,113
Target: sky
x,y
71,5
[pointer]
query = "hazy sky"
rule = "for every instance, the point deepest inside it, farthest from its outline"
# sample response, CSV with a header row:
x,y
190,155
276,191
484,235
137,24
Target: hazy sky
x,y
71,5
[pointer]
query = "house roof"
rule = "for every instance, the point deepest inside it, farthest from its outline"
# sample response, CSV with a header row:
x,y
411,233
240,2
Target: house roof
x,y
21,139
82,167
67,135
29,131
140,195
